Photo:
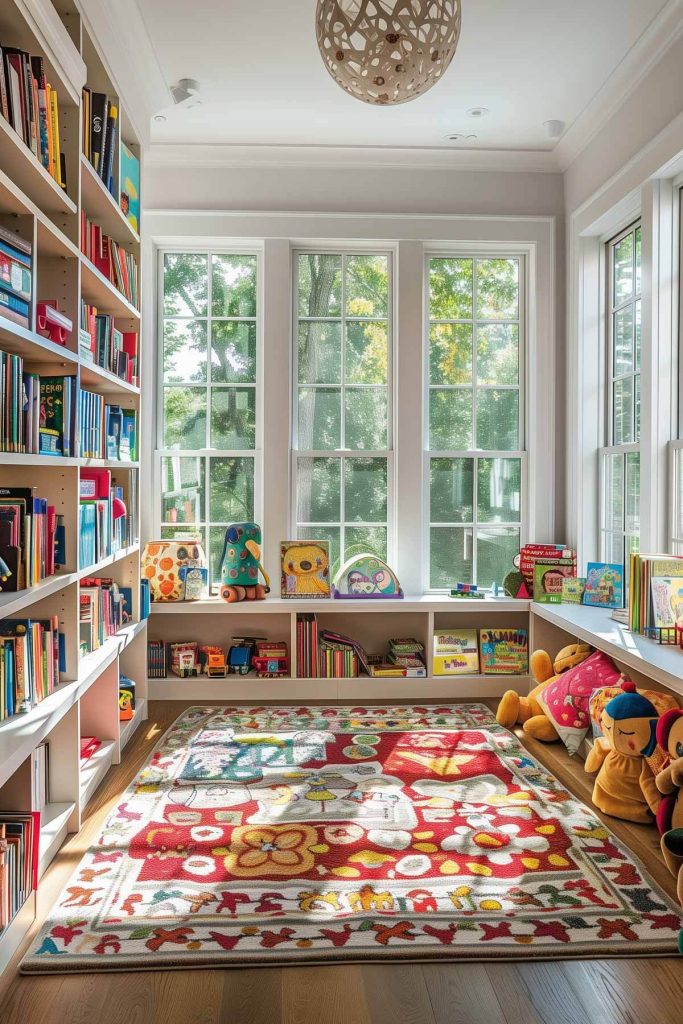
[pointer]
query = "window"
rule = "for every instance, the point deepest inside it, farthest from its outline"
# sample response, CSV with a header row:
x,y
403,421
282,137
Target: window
x,y
474,418
208,434
342,405
620,527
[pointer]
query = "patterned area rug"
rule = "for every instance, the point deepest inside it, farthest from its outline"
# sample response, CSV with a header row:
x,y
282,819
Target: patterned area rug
x,y
280,835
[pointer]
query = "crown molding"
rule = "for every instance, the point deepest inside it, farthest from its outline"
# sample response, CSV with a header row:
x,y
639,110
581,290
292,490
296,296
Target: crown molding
x,y
365,157
662,32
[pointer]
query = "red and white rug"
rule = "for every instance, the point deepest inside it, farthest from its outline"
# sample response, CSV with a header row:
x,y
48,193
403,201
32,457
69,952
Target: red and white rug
x,y
292,835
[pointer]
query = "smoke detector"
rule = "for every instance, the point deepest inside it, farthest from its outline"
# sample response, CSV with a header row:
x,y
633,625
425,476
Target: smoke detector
x,y
554,129
186,93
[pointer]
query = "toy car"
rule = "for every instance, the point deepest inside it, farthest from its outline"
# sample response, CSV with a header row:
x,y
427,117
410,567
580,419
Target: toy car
x,y
271,660
213,661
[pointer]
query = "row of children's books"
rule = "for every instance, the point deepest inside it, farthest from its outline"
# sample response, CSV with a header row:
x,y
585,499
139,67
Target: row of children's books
x,y
328,654
655,592
15,277
103,344
19,846
105,523
32,656
31,106
487,651
116,263
104,607
32,539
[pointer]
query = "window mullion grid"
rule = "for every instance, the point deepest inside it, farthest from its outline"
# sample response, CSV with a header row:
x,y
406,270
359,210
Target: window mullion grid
x,y
475,272
342,339
475,513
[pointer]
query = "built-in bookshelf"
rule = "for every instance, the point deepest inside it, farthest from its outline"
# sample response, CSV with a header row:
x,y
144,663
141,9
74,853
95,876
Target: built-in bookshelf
x,y
36,209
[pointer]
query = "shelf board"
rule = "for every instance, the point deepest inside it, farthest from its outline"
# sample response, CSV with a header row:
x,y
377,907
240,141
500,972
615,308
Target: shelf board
x,y
54,821
15,933
93,770
128,728
100,292
93,375
24,459
93,664
33,348
11,603
659,662
92,570
20,164
101,207
273,605
107,464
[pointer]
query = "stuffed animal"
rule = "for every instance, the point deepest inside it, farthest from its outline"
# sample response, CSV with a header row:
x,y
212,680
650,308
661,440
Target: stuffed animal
x,y
240,564
625,786
514,709
670,784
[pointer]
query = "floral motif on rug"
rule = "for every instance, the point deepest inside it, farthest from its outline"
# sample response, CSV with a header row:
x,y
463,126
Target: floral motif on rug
x,y
275,835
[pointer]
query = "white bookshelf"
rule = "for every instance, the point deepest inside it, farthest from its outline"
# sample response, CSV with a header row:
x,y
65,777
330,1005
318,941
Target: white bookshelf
x,y
34,207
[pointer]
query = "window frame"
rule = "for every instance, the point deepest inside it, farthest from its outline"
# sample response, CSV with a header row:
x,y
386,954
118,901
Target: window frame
x,y
343,454
523,388
208,454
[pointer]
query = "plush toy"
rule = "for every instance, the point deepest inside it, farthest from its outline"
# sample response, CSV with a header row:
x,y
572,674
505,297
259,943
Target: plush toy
x,y
240,564
670,784
625,786
514,709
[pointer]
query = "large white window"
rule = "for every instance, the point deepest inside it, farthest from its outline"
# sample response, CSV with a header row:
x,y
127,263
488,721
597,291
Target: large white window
x,y
475,417
620,524
208,426
342,423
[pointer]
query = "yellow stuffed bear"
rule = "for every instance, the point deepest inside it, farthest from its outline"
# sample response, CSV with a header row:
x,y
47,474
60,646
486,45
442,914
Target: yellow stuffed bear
x,y
514,709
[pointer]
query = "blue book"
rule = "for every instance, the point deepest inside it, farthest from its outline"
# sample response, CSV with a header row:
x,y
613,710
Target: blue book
x,y
604,585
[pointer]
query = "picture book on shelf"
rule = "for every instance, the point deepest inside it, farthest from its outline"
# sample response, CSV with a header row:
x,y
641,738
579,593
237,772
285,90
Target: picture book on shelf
x,y
550,553
549,577
604,585
667,601
130,186
456,652
572,589
305,568
504,651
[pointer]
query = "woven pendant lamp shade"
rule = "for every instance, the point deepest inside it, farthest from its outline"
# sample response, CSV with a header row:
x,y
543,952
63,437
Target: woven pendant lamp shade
x,y
387,51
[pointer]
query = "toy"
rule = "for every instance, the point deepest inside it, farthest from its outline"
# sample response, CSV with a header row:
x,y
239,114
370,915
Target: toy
x,y
241,653
240,564
212,660
53,323
469,590
195,581
184,659
625,786
271,660
366,576
514,709
670,778
161,564
305,568
126,699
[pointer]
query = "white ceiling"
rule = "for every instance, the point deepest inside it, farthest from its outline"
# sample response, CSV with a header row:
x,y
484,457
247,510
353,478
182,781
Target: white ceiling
x,y
263,81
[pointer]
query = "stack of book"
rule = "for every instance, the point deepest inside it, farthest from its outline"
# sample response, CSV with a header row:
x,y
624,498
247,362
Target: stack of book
x,y
19,844
31,658
31,539
15,277
407,653
104,608
156,659
307,645
655,600
31,106
338,656
100,134
106,346
117,264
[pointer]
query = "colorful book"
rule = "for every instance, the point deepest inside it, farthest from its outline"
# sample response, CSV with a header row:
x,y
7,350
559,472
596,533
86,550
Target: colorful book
x,y
130,186
504,651
604,585
549,575
572,589
456,652
667,601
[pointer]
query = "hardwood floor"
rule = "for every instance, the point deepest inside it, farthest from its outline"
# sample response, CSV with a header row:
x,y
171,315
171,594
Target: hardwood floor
x,y
645,991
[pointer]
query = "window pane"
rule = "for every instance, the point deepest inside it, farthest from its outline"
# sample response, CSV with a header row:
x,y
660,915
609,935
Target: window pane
x,y
366,418
637,334
450,556
319,418
451,490
366,352
365,490
360,539
623,341
184,351
183,533
233,418
497,289
638,258
623,269
182,490
318,490
613,547
320,352
216,542
233,352
632,502
232,490
498,354
186,279
233,286
367,286
329,533
184,418
636,404
450,419
496,549
498,420
623,410
499,486
450,289
614,492
450,354
320,284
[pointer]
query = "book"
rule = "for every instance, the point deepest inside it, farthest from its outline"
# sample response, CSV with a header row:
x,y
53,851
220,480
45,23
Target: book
x,y
305,568
456,652
549,575
530,552
667,601
572,589
130,186
643,568
504,651
604,585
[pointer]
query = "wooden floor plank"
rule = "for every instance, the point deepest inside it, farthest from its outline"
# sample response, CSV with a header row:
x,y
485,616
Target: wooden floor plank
x,y
648,991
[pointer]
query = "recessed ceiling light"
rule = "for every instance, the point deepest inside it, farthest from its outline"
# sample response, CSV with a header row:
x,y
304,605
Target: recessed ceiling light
x,y
477,112
160,117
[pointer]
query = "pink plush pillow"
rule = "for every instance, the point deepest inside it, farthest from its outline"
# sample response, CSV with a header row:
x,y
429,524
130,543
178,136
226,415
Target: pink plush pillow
x,y
566,701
